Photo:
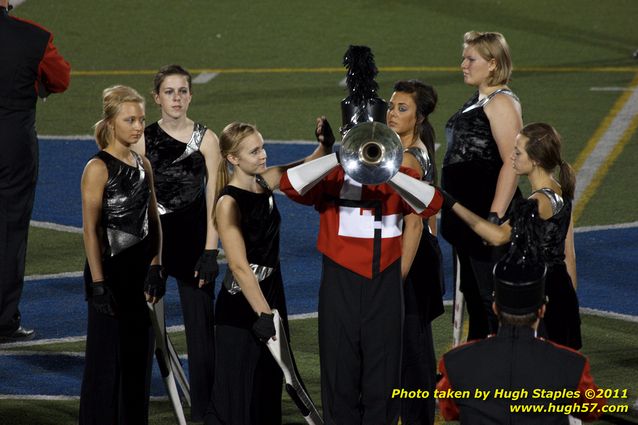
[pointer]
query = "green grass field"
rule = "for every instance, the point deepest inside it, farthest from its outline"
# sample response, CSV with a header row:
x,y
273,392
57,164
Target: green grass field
x,y
279,65
280,62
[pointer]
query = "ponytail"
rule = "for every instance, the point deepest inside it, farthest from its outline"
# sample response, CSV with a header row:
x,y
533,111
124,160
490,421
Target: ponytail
x,y
102,133
223,177
544,146
567,180
427,135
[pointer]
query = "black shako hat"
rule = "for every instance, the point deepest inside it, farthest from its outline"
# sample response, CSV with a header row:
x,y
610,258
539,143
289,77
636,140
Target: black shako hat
x,y
362,103
519,277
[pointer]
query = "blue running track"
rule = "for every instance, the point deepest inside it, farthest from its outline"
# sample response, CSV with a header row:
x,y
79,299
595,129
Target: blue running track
x,y
607,270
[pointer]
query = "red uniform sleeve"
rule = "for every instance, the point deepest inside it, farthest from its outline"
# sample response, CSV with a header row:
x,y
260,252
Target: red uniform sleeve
x,y
447,406
434,206
54,72
312,197
587,383
435,203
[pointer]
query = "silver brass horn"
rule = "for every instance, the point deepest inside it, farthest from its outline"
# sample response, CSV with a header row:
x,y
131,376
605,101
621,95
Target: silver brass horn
x,y
371,153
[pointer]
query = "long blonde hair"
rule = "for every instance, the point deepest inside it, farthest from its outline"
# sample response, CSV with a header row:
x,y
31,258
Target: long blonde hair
x,y
112,100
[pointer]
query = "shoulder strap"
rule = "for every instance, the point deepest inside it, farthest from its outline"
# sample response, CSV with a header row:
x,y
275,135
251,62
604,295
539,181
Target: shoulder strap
x,y
262,182
198,134
194,143
508,92
422,157
489,97
555,199
138,159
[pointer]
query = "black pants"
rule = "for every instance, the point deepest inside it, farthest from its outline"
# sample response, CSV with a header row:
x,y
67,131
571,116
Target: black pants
x,y
183,241
116,372
248,381
18,176
477,285
116,381
360,323
199,324
418,371
418,366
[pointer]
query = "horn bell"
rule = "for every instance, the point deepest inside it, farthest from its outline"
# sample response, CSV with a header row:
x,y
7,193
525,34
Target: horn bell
x,y
371,153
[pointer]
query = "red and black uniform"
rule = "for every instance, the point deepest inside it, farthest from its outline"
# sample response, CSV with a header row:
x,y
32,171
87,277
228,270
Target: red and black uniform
x,y
29,63
552,376
360,299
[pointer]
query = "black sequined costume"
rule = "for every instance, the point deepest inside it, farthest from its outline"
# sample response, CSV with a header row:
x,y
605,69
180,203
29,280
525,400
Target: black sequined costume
x,y
118,348
180,186
248,381
562,318
470,172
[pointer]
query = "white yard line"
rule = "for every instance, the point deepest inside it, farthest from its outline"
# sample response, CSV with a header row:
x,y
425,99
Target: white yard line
x,y
58,397
611,89
170,330
41,353
54,226
610,138
205,77
609,314
38,342
53,276
78,354
605,145
71,137
606,227
180,328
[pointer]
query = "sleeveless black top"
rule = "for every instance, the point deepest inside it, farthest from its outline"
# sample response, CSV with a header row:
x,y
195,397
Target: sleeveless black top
x,y
124,203
179,168
554,229
469,135
471,167
260,223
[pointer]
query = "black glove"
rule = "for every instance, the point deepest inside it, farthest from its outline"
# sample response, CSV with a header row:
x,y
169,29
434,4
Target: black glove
x,y
206,267
325,136
493,217
102,298
264,327
155,282
448,200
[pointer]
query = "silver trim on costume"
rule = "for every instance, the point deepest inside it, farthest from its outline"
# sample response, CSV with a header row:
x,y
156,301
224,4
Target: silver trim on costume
x,y
489,97
555,199
161,209
260,272
194,143
119,240
423,158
